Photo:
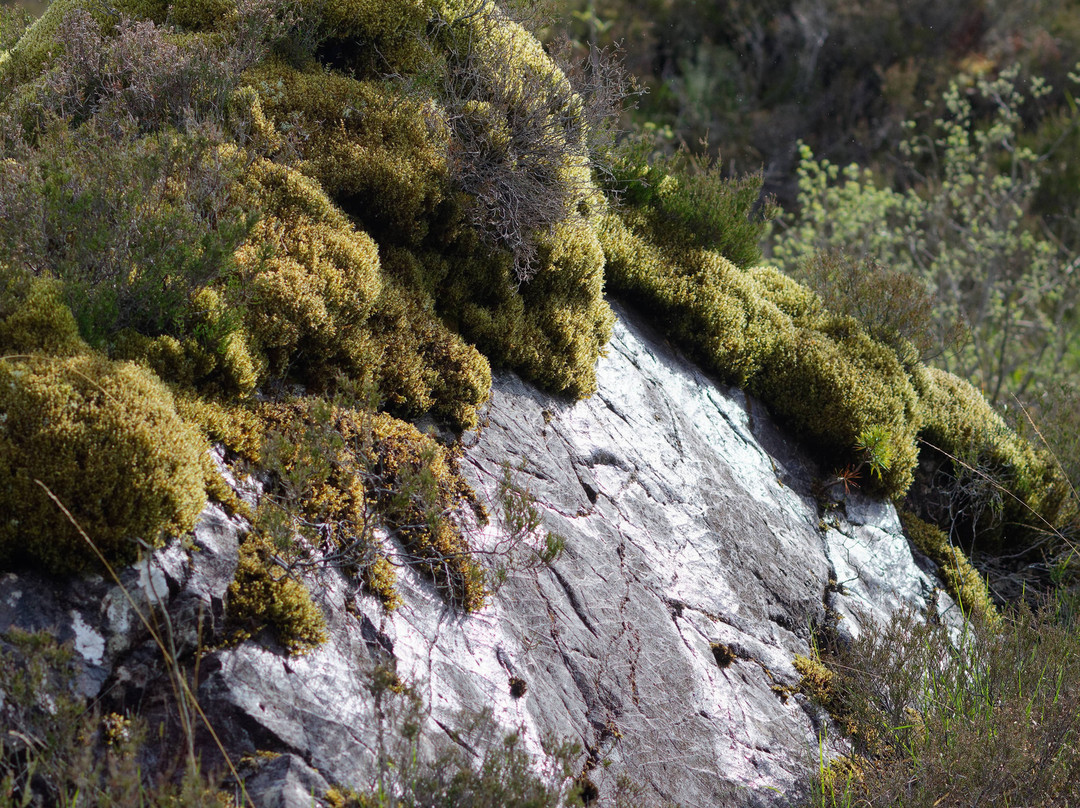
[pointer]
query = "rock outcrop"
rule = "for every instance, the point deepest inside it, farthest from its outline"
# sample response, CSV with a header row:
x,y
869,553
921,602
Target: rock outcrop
x,y
697,564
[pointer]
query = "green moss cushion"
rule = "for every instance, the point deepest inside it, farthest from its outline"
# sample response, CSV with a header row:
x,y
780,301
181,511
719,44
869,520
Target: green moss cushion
x,y
105,439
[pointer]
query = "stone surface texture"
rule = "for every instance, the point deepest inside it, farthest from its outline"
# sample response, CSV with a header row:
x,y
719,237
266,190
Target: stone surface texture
x,y
697,565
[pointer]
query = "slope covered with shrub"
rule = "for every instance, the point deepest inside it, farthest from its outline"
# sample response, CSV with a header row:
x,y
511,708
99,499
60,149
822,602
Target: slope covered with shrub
x,y
347,197
241,198
290,227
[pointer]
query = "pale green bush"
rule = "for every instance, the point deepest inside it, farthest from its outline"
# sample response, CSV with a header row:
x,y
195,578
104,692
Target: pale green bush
x,y
963,230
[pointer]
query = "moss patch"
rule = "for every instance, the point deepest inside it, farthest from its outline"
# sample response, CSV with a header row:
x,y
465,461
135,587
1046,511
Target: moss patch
x,y
263,593
1035,495
106,439
962,580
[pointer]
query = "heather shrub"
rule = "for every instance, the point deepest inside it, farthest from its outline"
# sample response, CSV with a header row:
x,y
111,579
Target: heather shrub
x,y
894,306
339,472
131,226
986,717
417,489
59,750
147,66
104,437
690,203
14,20
521,137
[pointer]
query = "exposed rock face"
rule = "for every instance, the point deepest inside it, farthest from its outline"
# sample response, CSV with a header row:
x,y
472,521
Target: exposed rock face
x,y
697,565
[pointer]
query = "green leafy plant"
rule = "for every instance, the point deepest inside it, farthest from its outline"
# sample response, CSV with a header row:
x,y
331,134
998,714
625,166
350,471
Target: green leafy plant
x,y
963,228
876,445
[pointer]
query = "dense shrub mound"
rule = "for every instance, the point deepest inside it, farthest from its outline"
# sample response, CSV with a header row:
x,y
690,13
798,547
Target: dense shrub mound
x,y
236,196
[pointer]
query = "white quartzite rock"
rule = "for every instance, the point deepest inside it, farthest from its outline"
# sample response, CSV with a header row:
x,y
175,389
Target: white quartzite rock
x,y
696,567
688,525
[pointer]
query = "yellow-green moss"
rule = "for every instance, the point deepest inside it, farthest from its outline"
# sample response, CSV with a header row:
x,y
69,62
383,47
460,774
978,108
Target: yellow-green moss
x,y
318,304
311,278
552,329
962,581
383,156
836,384
824,376
719,313
105,438
380,579
34,318
386,36
817,680
378,152
219,490
957,420
198,15
234,425
215,357
346,466
262,594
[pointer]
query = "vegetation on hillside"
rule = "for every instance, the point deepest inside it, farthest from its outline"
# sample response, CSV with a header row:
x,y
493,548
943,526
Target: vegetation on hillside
x,y
289,227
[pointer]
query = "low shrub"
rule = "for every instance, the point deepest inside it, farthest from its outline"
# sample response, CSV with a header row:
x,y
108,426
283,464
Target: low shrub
x,y
894,306
479,766
415,486
132,225
340,473
57,750
986,717
393,157
14,20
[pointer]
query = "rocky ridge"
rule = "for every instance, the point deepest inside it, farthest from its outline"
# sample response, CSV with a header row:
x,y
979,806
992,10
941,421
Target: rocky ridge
x,y
697,564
